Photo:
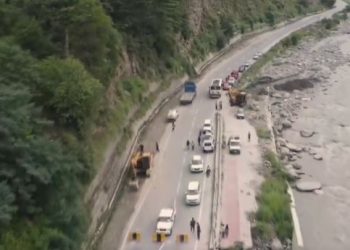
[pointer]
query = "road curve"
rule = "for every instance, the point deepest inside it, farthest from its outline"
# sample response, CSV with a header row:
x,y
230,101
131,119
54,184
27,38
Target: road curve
x,y
169,180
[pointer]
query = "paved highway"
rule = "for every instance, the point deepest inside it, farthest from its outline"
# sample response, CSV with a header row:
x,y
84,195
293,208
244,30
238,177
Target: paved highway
x,y
171,175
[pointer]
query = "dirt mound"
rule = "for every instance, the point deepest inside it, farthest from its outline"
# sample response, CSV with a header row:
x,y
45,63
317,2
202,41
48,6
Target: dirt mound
x,y
298,84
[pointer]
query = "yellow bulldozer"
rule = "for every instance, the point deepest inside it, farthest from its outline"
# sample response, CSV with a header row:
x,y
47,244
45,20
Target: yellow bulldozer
x,y
142,163
237,97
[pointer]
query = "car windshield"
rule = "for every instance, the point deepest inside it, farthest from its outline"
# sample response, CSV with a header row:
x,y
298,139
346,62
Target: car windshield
x,y
192,192
215,87
233,143
216,82
207,144
163,219
196,162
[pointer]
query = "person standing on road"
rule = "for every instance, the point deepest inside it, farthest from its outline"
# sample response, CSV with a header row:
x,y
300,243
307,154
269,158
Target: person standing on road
x,y
226,230
192,224
199,140
188,144
173,125
192,145
157,146
198,231
220,105
248,136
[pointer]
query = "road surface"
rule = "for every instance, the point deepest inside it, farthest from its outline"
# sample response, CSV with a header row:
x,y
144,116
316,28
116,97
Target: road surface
x,y
168,183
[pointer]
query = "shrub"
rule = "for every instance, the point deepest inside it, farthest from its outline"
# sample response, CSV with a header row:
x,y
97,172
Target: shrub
x,y
263,133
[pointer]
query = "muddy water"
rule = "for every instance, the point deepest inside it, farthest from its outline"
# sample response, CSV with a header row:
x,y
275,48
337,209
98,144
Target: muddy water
x,y
325,217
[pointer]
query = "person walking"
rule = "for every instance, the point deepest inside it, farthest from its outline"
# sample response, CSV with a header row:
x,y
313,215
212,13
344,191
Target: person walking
x,y
192,224
173,125
248,136
199,140
192,146
220,105
188,144
226,230
157,146
198,231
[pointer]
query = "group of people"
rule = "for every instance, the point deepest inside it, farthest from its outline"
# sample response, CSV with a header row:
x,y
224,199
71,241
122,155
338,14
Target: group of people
x,y
224,230
189,144
193,225
218,105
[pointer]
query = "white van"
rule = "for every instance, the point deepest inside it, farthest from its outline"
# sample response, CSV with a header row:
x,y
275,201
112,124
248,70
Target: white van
x,y
193,194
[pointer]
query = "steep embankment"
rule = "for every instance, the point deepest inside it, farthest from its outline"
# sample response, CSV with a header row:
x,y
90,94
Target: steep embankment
x,y
71,73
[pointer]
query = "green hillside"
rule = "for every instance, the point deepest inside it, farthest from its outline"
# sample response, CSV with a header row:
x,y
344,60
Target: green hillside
x,y
71,72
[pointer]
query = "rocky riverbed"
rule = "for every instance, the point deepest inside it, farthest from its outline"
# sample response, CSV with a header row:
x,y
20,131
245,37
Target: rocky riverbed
x,y
308,93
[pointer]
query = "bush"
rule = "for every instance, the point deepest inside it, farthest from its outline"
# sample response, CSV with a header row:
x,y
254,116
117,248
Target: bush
x,y
263,133
328,3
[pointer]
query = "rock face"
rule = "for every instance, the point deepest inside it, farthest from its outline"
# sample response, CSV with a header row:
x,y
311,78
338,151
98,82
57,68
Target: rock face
x,y
305,133
308,186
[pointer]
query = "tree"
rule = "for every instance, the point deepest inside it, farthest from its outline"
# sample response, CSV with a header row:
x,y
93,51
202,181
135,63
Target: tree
x,y
328,3
7,207
70,92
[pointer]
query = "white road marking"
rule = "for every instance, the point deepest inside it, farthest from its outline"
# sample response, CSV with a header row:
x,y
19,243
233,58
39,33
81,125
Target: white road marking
x,y
202,203
295,219
143,198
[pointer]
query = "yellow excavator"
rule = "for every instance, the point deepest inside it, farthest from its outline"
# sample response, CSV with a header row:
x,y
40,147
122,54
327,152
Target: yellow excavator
x,y
237,97
142,163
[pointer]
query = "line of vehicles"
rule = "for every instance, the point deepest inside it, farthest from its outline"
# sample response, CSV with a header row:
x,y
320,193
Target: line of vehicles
x,y
142,162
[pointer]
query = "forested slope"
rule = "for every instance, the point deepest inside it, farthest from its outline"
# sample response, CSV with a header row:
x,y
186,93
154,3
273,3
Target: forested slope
x,y
70,70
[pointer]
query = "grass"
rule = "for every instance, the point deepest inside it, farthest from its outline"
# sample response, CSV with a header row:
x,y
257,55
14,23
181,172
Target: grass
x,y
263,133
273,218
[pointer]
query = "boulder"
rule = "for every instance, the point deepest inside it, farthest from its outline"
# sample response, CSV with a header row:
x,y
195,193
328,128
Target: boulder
x,y
318,157
296,166
292,158
308,186
281,141
306,133
284,152
291,172
276,244
293,148
286,124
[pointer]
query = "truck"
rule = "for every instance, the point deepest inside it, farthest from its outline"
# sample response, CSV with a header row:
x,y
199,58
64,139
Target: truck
x,y
237,97
190,92
215,88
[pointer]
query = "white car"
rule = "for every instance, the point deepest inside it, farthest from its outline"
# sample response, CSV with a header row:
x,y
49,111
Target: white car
x,y
165,222
197,164
257,56
172,115
234,145
208,145
240,114
193,195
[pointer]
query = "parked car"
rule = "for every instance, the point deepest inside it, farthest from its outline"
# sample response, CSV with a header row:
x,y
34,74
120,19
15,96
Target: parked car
x,y
172,115
234,145
226,86
240,114
257,55
197,164
232,81
166,220
193,194
208,145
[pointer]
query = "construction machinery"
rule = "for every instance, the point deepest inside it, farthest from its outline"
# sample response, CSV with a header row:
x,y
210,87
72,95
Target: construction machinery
x,y
142,163
237,97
